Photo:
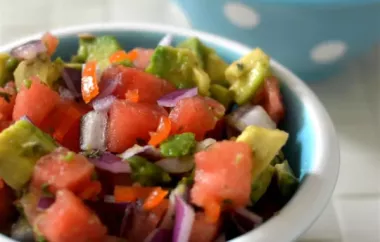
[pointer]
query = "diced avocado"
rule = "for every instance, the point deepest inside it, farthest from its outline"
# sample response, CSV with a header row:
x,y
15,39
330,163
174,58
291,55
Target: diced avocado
x,y
213,65
278,159
97,49
202,81
286,180
178,145
5,73
21,145
247,74
147,173
261,184
173,64
48,71
221,94
265,143
77,66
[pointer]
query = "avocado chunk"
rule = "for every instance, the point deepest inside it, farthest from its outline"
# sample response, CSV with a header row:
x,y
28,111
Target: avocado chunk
x,y
5,68
97,49
261,184
21,145
178,145
247,75
221,94
147,173
202,81
278,159
208,60
48,71
174,65
265,143
286,180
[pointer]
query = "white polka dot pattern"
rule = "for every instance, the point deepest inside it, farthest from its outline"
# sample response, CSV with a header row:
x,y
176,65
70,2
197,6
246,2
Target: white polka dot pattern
x,y
328,51
241,15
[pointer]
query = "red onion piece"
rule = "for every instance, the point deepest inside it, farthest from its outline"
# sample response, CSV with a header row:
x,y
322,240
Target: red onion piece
x,y
93,131
171,99
65,93
168,219
103,104
45,202
184,218
147,151
72,78
112,163
250,115
246,220
159,235
127,220
29,50
176,165
166,40
108,86
204,144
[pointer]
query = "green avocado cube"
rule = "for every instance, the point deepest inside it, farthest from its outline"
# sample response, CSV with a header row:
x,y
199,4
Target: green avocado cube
x,y
221,94
261,184
286,180
21,145
178,145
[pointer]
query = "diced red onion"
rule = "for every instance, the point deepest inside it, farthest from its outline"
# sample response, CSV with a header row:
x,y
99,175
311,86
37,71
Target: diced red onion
x,y
159,235
108,86
112,163
29,50
171,99
246,220
103,104
166,40
168,219
93,131
127,219
250,115
184,219
176,165
65,93
72,78
204,144
146,151
45,202
26,118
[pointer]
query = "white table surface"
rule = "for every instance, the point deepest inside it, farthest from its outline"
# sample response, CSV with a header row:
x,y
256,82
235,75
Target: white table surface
x,y
351,99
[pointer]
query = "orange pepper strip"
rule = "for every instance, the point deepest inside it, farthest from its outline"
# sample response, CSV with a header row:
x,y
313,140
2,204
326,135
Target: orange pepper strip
x,y
118,56
1,183
132,95
163,131
131,193
51,42
132,55
91,191
90,88
155,198
212,211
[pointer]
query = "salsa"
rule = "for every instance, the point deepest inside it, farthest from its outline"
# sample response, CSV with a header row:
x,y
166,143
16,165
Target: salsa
x,y
163,144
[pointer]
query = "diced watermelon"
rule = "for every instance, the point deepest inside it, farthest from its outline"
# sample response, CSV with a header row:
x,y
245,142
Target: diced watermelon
x,y
202,230
68,219
36,102
7,101
223,173
129,122
272,101
63,170
192,115
149,87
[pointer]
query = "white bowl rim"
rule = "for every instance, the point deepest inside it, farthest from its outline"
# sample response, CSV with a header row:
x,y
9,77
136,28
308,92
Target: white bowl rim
x,y
297,216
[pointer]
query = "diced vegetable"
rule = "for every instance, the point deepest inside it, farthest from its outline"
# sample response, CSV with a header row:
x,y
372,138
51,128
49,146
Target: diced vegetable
x,y
132,96
162,133
132,193
62,169
178,145
51,42
22,144
46,70
221,94
146,173
93,131
131,121
103,104
147,151
90,87
155,198
184,219
112,163
265,143
286,180
223,173
247,75
273,100
143,58
171,99
202,81
186,114
43,99
176,165
261,183
149,87
72,78
173,64
7,101
68,219
250,115
29,50
204,144
5,72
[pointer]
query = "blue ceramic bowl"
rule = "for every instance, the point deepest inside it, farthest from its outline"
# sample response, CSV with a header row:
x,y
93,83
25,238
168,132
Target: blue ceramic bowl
x,y
312,149
313,38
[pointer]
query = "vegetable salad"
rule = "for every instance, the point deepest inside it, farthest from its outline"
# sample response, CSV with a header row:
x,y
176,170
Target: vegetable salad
x,y
164,144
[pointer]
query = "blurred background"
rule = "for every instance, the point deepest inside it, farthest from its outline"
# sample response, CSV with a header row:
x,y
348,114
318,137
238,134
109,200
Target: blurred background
x,y
343,59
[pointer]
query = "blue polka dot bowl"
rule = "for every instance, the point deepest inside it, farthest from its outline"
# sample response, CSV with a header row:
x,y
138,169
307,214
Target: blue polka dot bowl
x,y
314,38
